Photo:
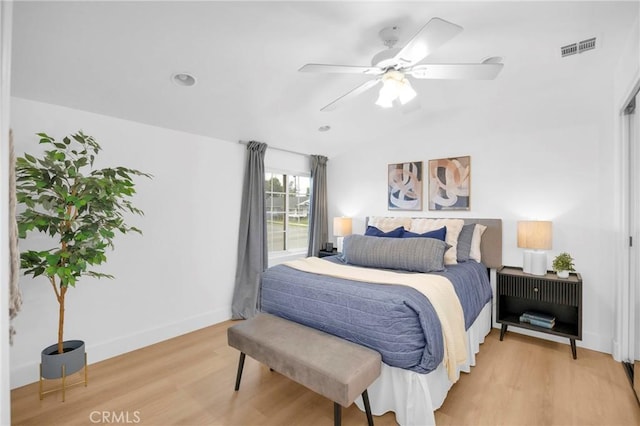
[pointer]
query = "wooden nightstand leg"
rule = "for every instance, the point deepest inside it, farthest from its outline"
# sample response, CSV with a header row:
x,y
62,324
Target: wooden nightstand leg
x,y
503,330
573,348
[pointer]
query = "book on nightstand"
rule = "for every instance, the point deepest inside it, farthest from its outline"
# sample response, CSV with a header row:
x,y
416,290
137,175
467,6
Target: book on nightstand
x,y
538,319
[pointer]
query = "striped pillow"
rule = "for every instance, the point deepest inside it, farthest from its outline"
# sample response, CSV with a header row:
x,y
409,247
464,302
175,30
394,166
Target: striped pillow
x,y
407,254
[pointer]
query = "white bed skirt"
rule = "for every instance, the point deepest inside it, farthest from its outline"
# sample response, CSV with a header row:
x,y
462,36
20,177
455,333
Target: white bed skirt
x,y
414,396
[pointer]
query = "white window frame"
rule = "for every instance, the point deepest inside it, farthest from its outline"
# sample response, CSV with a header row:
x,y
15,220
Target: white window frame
x,y
279,256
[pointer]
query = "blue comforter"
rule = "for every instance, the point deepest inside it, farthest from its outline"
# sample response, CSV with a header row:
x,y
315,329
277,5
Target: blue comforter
x,y
397,321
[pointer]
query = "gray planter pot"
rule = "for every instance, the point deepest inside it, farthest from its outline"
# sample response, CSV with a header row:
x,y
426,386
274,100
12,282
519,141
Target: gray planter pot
x,y
73,359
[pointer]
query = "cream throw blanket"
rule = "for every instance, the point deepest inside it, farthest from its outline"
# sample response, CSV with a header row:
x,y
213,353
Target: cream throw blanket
x,y
436,288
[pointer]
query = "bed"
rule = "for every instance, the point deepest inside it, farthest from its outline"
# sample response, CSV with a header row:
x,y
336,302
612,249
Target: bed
x,y
427,329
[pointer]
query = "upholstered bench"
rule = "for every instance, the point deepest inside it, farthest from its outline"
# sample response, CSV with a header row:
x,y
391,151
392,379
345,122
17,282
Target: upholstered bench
x,y
328,365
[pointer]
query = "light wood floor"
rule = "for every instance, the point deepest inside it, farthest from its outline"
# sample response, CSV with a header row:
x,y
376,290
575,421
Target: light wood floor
x,y
189,381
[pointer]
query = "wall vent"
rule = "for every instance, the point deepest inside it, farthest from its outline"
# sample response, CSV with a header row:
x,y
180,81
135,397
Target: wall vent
x,y
582,46
569,49
585,45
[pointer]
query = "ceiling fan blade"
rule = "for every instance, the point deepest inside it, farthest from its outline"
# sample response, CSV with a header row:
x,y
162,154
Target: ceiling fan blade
x,y
484,71
434,34
352,94
341,69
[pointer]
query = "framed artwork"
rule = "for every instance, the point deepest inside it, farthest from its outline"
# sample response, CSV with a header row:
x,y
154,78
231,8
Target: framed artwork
x,y
404,191
449,183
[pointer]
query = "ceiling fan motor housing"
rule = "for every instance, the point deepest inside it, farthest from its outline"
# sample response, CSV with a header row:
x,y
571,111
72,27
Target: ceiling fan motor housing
x,y
389,36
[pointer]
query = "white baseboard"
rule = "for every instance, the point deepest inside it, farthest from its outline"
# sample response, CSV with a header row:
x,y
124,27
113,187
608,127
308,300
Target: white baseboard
x,y
590,341
96,352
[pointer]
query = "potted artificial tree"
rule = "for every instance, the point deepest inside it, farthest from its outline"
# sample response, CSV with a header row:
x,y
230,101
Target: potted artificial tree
x,y
80,209
563,264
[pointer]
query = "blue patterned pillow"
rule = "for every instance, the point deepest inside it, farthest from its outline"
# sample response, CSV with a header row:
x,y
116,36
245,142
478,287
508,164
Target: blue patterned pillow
x,y
407,254
439,234
372,231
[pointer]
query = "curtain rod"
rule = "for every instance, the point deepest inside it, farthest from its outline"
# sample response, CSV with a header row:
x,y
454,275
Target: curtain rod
x,y
279,149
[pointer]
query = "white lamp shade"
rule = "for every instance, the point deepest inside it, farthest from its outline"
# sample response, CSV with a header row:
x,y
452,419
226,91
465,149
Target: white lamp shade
x,y
394,86
384,101
534,234
406,92
341,226
386,95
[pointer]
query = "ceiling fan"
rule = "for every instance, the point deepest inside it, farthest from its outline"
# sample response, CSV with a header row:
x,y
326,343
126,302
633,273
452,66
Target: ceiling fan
x,y
392,66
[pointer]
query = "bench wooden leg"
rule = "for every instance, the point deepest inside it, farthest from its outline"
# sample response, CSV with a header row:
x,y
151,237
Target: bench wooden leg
x,y
367,407
337,414
240,367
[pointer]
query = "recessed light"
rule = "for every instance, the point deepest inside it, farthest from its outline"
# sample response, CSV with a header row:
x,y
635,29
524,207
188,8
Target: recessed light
x,y
183,79
324,128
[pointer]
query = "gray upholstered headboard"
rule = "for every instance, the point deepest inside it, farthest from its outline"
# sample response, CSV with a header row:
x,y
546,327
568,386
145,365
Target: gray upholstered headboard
x,y
491,245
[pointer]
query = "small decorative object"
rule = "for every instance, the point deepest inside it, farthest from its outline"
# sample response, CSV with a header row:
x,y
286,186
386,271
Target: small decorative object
x,y
563,264
450,183
79,210
328,246
405,186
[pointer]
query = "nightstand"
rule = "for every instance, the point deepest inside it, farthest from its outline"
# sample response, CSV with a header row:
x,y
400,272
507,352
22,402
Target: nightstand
x,y
325,253
518,292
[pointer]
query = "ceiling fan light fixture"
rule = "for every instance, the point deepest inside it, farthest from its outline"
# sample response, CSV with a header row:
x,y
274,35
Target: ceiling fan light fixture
x,y
388,92
394,65
406,92
394,86
384,100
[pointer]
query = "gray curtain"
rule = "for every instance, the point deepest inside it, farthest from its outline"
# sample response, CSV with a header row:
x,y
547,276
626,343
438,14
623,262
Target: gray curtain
x,y
318,220
252,239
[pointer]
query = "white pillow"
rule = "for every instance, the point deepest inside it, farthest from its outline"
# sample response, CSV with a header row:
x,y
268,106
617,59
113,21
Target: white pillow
x,y
454,226
474,253
386,224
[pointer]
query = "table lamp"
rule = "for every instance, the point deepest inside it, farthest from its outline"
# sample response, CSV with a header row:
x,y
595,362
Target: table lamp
x,y
341,228
535,236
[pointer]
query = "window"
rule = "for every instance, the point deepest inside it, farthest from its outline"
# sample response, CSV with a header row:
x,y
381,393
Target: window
x,y
287,205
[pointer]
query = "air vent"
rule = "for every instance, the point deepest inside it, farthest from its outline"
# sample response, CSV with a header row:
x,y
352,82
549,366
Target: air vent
x,y
570,49
585,45
582,46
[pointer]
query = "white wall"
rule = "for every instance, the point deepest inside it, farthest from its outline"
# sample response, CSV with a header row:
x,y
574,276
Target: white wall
x,y
547,157
177,277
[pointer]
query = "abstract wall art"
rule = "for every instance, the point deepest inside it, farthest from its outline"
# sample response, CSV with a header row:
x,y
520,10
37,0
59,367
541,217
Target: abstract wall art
x,y
405,186
449,183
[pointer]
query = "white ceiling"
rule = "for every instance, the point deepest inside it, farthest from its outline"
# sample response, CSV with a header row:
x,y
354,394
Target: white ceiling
x,y
116,59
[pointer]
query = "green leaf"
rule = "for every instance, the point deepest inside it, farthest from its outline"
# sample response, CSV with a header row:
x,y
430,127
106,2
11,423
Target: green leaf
x,y
48,184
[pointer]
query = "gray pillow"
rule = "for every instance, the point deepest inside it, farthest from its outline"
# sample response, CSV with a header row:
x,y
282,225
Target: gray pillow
x,y
464,242
407,254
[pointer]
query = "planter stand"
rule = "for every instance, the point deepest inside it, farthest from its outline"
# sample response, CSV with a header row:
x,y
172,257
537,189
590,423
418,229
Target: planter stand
x,y
64,385
69,364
